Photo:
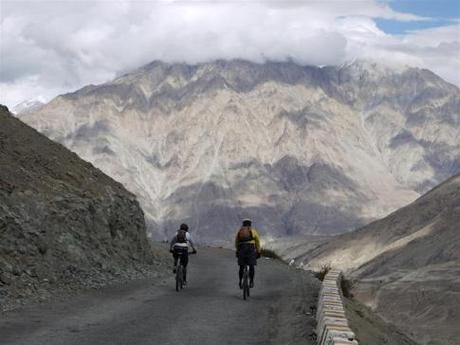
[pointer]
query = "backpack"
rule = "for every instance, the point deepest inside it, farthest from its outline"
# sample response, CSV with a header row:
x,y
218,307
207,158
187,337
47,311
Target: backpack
x,y
245,234
181,236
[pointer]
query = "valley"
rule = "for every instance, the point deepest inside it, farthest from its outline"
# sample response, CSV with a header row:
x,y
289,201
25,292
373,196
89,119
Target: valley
x,y
404,266
313,155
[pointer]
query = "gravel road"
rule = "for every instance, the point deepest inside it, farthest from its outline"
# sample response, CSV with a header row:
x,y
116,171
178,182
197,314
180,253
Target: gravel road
x,y
209,311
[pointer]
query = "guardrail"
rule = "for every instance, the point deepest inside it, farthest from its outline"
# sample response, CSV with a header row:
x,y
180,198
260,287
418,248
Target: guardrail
x,y
332,324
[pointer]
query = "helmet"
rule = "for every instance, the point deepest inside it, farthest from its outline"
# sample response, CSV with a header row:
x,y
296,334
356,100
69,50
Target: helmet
x,y
183,226
247,222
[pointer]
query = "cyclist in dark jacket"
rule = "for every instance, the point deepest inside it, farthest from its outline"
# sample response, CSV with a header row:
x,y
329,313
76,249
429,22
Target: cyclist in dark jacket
x,y
179,244
247,245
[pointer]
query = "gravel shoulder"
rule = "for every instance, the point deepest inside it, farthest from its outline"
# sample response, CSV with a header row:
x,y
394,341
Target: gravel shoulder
x,y
209,311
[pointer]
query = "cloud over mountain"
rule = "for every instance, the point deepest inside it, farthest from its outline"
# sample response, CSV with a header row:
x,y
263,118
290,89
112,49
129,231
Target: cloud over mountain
x,y
53,47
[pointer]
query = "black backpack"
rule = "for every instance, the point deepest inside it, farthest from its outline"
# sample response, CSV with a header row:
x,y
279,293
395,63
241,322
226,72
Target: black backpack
x,y
181,236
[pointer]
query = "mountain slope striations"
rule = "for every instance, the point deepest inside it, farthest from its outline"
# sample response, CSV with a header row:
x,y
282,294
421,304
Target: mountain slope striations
x,y
302,150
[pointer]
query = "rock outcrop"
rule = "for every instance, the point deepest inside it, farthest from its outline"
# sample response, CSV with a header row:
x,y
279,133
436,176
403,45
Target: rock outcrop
x,y
300,149
63,223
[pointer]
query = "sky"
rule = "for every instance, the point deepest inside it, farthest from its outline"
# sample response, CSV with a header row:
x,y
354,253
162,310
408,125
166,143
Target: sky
x,y
52,47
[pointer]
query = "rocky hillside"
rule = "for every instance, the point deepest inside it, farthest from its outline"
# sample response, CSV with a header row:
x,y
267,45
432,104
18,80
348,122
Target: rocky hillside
x,y
63,223
302,150
407,265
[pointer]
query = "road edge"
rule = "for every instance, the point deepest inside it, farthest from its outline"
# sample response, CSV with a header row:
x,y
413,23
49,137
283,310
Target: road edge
x,y
332,323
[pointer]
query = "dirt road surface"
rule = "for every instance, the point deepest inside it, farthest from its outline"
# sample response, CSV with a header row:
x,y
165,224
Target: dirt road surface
x,y
209,311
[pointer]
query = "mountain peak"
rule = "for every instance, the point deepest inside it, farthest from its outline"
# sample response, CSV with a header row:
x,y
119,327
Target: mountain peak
x,y
244,75
373,70
27,107
209,140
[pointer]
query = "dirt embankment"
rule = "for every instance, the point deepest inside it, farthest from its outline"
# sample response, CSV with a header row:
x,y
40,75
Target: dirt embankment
x,y
370,329
64,224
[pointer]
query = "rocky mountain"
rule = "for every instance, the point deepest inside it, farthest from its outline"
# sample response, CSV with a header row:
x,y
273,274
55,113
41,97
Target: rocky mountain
x,y
300,149
407,265
63,223
27,107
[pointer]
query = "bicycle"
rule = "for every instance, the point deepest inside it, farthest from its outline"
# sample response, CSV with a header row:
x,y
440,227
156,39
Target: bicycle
x,y
245,283
180,271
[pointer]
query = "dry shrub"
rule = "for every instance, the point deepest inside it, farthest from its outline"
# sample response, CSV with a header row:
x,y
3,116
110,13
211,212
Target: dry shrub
x,y
323,271
268,253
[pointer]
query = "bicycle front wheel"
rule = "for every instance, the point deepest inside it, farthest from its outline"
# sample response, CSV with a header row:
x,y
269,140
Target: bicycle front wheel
x,y
245,285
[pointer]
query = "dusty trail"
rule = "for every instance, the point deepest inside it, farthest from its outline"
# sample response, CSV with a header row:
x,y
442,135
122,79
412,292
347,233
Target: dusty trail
x,y
209,311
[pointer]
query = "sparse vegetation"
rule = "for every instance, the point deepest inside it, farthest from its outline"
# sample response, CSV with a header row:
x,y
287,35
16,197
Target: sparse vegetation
x,y
323,271
268,253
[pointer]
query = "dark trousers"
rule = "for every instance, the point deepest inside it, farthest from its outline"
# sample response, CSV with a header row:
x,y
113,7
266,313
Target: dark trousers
x,y
181,253
247,256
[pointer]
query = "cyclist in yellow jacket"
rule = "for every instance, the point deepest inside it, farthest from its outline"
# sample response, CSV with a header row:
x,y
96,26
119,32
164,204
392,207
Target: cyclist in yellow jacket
x,y
247,244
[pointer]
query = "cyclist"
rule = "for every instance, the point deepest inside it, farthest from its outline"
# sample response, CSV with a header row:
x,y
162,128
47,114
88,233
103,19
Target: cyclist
x,y
247,244
179,247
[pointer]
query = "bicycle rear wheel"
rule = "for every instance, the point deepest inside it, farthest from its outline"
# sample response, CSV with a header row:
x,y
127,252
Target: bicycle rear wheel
x,y
245,284
179,277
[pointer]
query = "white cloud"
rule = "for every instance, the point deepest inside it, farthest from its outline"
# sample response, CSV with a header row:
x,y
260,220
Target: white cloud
x,y
437,49
49,48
